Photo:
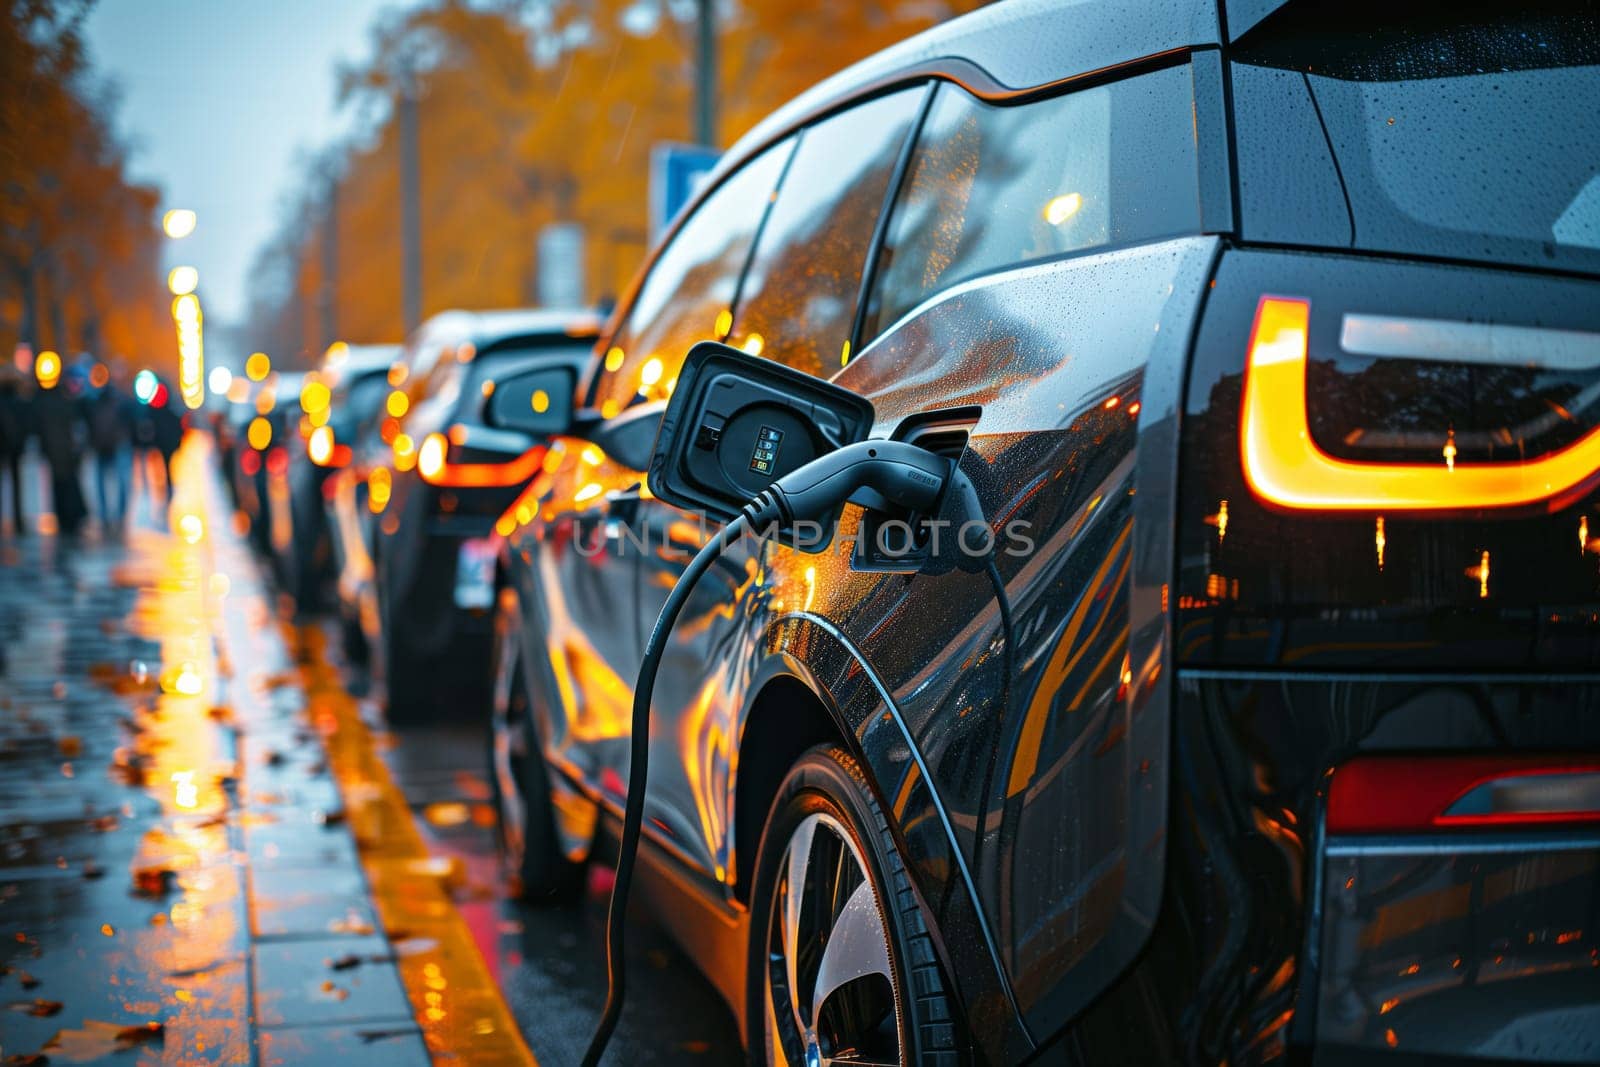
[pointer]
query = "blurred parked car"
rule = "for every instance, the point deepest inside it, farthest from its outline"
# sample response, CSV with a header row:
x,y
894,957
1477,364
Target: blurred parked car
x,y
337,403
257,429
1279,335
415,511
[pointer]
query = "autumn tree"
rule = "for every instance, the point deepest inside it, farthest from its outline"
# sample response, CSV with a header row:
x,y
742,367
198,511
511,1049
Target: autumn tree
x,y
533,112
79,245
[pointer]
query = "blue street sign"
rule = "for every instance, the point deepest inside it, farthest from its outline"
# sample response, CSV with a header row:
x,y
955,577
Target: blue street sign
x,y
676,171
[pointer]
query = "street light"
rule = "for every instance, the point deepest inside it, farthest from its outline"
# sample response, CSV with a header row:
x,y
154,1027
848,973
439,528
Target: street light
x,y
191,354
183,280
178,223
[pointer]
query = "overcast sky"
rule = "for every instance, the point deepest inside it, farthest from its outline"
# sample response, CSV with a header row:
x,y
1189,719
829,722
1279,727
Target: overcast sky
x,y
221,99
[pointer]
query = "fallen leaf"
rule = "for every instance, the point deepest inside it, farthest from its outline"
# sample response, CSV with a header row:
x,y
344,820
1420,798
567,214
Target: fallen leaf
x,y
70,746
336,992
26,1059
154,881
143,1034
38,1007
98,1039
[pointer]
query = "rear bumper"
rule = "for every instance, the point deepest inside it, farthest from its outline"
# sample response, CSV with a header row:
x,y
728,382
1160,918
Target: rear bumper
x,y
1280,939
1479,945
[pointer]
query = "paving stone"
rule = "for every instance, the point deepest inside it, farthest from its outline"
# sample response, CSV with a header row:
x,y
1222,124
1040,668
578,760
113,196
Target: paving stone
x,y
309,902
377,1045
297,985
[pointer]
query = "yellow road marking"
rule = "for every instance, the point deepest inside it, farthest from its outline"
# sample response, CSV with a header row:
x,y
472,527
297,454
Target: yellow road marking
x,y
454,997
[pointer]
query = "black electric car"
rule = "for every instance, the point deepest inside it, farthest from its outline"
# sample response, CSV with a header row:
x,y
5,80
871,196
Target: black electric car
x,y
1268,335
434,493
258,428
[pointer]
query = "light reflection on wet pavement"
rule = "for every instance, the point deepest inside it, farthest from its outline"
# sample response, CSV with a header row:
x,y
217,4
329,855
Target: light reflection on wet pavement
x,y
205,858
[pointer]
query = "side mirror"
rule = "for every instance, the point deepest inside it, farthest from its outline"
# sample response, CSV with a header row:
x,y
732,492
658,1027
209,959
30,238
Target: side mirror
x,y
538,402
736,423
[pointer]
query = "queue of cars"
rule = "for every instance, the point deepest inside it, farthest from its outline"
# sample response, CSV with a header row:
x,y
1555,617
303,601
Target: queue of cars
x,y
1274,331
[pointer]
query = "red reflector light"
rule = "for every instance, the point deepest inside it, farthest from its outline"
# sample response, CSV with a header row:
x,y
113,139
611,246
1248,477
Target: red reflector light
x,y
1412,794
277,461
250,463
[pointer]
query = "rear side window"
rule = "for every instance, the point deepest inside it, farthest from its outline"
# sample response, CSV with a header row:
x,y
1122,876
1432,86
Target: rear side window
x,y
1467,131
798,300
994,186
690,286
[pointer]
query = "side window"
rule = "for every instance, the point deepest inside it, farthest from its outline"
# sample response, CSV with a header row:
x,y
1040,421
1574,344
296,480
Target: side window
x,y
798,300
690,287
994,186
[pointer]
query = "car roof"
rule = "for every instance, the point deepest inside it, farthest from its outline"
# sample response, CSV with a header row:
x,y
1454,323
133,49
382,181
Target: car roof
x,y
484,328
358,361
362,358
1004,49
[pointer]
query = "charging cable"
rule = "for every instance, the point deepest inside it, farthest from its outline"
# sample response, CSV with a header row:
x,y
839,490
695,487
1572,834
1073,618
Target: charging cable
x,y
904,475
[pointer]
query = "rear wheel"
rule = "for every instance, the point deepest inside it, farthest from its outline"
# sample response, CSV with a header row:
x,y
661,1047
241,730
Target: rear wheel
x,y
842,970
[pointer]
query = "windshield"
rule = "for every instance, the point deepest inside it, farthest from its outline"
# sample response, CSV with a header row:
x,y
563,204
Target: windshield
x,y
1470,135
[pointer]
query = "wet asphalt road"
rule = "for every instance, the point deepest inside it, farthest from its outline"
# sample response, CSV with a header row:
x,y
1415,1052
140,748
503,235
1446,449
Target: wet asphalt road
x,y
109,766
550,962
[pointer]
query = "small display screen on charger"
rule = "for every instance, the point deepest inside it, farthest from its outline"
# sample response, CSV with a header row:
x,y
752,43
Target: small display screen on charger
x,y
764,457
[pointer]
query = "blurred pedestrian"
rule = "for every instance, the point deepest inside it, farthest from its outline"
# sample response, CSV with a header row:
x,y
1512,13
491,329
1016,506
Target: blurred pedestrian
x,y
111,417
60,426
167,424
14,431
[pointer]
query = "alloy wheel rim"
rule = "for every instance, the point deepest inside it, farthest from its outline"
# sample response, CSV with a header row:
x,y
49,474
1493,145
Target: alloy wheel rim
x,y
830,991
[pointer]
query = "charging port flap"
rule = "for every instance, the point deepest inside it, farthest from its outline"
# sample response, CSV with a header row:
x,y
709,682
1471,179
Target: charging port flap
x,y
736,423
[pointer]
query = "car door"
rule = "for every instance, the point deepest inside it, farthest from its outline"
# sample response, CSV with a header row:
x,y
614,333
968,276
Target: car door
x,y
584,626
796,305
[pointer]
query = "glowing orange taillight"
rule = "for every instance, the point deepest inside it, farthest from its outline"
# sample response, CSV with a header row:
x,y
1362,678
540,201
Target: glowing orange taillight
x,y
1284,465
436,469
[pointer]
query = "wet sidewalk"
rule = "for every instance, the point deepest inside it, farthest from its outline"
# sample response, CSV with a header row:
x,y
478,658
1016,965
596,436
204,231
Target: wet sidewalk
x,y
201,857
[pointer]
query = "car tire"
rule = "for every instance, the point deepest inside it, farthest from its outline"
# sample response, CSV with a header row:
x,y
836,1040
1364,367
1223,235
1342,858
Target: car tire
x,y
530,848
856,915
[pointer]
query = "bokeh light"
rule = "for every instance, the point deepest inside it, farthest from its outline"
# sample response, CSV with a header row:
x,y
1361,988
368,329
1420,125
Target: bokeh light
x,y
178,223
183,280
